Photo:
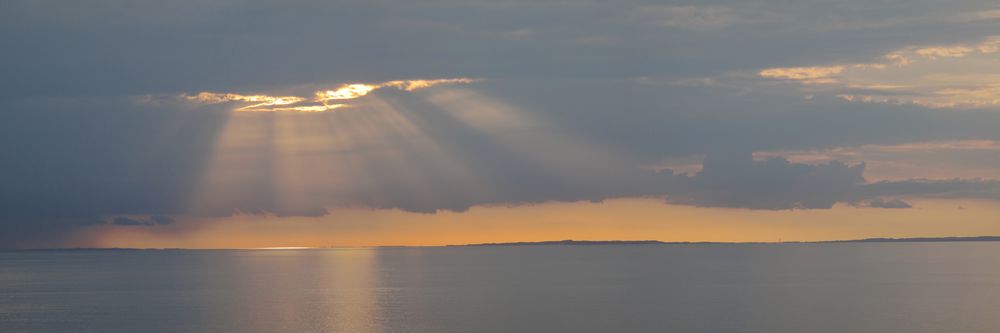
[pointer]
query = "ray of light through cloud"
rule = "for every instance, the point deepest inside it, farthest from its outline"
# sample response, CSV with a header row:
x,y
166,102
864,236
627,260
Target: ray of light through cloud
x,y
170,118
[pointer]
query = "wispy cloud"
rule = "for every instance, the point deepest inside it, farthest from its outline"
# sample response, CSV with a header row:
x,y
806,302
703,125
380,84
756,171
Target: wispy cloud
x,y
991,45
928,75
991,14
897,59
807,75
691,17
944,51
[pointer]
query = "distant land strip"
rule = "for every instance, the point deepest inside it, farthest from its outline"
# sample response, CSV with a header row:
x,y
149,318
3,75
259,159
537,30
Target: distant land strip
x,y
570,242
656,242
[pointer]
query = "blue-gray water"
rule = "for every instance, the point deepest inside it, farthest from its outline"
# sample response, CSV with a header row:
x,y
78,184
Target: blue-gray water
x,y
903,287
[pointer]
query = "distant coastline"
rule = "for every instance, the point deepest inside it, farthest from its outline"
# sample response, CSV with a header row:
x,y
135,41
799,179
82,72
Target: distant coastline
x,y
656,242
570,242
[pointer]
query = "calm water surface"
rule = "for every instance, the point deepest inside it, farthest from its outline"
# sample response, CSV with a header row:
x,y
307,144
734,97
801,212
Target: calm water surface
x,y
909,287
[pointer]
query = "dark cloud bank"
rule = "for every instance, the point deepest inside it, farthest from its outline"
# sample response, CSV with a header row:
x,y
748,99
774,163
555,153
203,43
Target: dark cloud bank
x,y
66,169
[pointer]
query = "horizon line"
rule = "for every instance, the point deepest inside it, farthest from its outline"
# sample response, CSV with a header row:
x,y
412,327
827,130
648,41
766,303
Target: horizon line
x,y
565,242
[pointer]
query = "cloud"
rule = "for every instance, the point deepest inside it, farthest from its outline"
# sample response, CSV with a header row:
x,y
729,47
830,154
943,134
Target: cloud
x,y
571,105
987,95
990,14
161,219
355,90
245,47
930,159
938,80
992,45
944,51
509,142
216,98
898,59
259,102
141,221
321,102
806,75
892,203
952,188
738,181
127,221
691,17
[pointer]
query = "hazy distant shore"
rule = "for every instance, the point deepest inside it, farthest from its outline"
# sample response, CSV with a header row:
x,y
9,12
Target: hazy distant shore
x,y
570,242
655,242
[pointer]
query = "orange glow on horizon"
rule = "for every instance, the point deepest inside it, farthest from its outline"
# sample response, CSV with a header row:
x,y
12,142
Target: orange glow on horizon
x,y
620,219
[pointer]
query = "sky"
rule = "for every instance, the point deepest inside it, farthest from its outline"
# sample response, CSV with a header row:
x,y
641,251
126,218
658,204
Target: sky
x,y
242,124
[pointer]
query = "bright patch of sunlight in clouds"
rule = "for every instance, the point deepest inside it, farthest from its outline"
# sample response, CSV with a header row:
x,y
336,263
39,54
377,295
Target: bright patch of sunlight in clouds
x,y
355,90
260,101
321,101
347,91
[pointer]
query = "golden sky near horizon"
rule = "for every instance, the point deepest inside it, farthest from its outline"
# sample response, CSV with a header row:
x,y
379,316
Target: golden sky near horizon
x,y
617,219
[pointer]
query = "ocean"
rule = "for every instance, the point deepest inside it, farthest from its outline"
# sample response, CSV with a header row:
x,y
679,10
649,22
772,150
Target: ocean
x,y
844,287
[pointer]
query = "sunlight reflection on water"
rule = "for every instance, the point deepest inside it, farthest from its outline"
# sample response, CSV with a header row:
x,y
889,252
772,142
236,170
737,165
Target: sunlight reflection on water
x,y
760,288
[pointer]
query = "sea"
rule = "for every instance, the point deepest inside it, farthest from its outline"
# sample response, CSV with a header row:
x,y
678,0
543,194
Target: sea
x,y
832,287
